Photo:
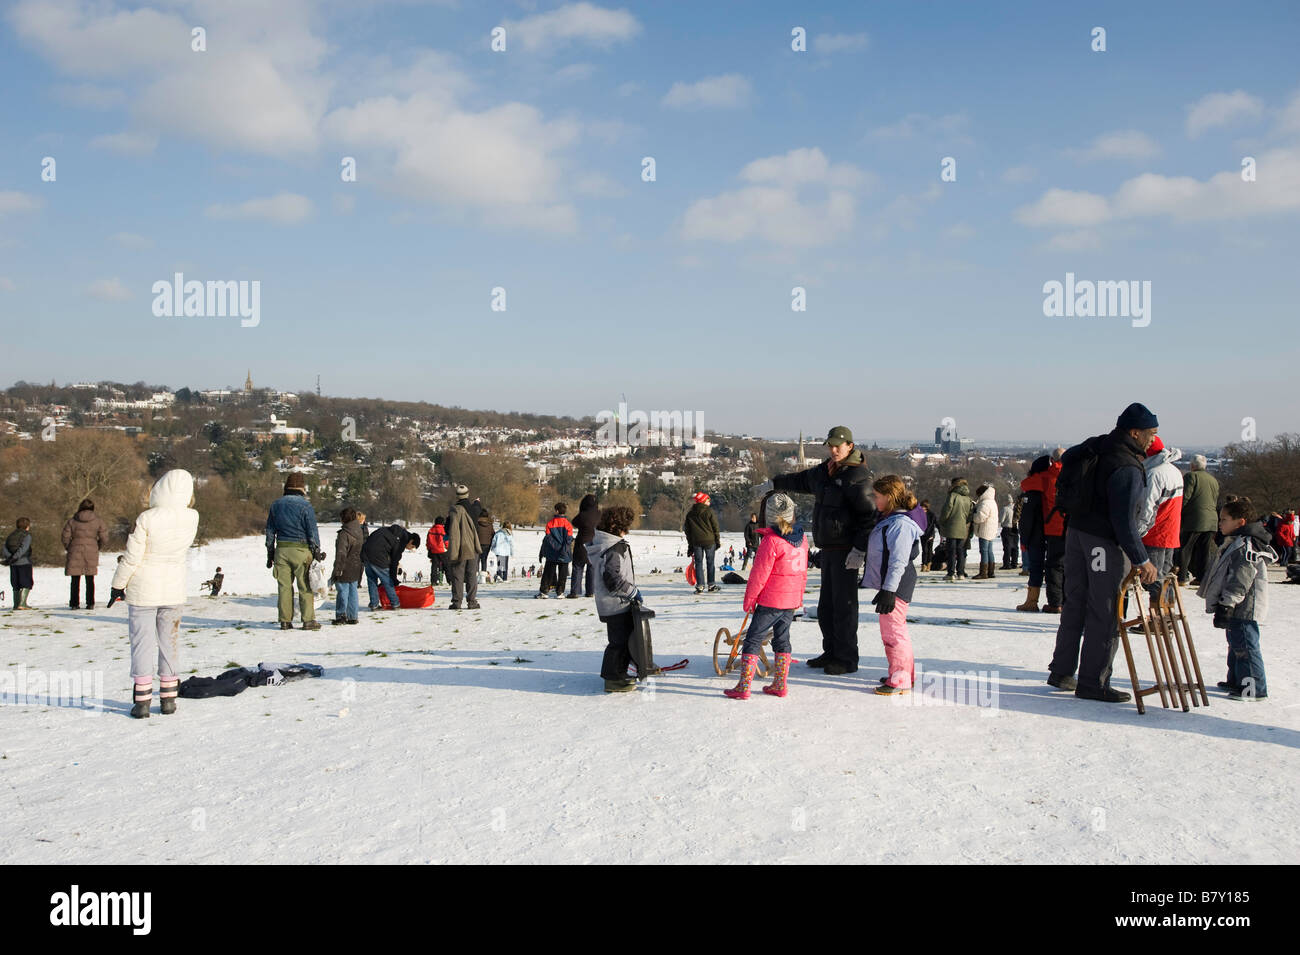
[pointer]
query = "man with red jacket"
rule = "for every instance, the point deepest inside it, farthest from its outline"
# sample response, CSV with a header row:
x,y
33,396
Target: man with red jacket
x,y
436,545
1047,559
1160,515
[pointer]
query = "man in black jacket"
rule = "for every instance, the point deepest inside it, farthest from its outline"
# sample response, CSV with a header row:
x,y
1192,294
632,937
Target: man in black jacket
x,y
1101,539
751,541
584,529
843,516
381,553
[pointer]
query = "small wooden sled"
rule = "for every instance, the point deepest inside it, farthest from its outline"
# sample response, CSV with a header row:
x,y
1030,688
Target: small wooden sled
x,y
1169,642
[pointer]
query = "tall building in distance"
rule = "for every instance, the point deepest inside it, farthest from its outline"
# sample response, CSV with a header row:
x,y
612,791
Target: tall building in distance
x,y
952,444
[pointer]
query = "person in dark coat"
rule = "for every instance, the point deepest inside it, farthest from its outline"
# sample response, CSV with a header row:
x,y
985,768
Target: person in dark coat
x,y
83,535
751,541
17,556
380,554
927,536
1101,539
483,524
843,516
462,552
703,537
584,529
347,572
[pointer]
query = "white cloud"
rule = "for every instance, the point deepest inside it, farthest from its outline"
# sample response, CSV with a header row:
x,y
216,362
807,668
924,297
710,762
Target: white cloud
x,y
839,42
1119,144
108,290
7,284
951,127
12,202
127,144
129,240
598,186
575,72
1288,120
1017,174
573,21
774,207
1223,196
728,91
1080,240
101,41
286,208
89,96
1220,109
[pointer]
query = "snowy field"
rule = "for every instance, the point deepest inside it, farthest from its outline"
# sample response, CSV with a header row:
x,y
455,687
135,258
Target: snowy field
x,y
484,736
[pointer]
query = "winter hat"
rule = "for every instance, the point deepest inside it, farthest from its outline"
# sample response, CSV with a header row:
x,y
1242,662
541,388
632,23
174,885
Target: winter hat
x,y
295,482
780,507
1156,446
839,435
462,491
1137,416
701,498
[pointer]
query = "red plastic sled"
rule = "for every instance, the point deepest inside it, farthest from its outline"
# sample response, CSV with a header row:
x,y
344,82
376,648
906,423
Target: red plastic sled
x,y
690,573
408,598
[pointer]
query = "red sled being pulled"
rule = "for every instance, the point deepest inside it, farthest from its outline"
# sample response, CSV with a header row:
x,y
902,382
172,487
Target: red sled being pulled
x,y
408,598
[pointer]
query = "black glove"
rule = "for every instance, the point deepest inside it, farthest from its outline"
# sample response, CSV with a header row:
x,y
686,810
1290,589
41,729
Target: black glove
x,y
115,594
270,557
1221,616
319,555
815,559
884,601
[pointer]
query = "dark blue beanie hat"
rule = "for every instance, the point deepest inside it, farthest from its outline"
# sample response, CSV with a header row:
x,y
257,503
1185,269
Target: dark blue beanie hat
x,y
1137,416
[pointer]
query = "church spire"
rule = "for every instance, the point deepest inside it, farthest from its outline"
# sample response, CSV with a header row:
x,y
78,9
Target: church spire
x,y
248,382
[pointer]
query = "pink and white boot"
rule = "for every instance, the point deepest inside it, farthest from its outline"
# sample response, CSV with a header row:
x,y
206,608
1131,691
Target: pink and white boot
x,y
777,686
748,664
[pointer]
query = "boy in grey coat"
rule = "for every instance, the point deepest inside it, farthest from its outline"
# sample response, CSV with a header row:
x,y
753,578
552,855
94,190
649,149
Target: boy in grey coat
x,y
1235,589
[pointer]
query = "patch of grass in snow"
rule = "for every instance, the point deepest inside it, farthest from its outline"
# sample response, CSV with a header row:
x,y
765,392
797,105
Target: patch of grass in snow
x,y
230,665
191,631
522,660
543,616
492,663
75,646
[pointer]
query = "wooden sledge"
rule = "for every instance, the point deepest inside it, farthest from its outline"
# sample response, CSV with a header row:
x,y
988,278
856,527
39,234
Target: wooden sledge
x,y
723,638
1169,642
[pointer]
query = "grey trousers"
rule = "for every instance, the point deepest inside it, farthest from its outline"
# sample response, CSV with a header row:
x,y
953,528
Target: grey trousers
x,y
155,640
464,580
1163,558
1094,569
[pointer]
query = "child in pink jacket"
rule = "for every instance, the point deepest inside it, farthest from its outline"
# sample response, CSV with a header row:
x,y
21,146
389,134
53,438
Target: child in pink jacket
x,y
774,592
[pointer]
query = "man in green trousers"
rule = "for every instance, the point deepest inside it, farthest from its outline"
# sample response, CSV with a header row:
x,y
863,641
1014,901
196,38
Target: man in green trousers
x,y
292,541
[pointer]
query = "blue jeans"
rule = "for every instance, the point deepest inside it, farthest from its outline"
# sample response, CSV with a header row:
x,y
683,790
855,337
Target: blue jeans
x,y
1245,661
1035,556
763,620
346,596
374,577
701,556
986,551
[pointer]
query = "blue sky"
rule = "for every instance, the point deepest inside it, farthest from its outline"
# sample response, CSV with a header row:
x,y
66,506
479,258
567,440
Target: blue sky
x,y
774,168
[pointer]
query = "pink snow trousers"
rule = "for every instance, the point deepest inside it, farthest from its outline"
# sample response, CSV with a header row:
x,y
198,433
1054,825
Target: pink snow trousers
x,y
898,646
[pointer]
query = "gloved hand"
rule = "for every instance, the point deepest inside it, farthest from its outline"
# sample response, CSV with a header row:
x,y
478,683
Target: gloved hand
x,y
884,601
761,489
636,597
319,555
855,559
1221,616
115,594
270,557
815,558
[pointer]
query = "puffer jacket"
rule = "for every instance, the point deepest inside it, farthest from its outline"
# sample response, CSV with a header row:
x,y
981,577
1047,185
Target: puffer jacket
x,y
83,535
985,518
435,542
152,571
1044,482
843,510
557,541
954,519
483,523
1238,578
1160,515
780,570
1200,502
347,554
17,549
701,526
462,535
901,536
503,543
615,578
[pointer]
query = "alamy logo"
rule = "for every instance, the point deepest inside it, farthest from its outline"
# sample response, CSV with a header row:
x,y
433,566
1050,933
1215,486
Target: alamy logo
x,y
658,428
103,908
1085,299
193,299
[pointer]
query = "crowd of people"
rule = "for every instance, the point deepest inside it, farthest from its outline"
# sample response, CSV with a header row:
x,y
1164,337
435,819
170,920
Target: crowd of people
x,y
1084,517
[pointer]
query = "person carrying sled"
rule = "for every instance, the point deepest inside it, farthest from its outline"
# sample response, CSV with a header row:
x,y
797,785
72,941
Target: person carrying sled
x,y
616,593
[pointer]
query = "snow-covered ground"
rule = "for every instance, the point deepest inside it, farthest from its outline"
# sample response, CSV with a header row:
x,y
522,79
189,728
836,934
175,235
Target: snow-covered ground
x,y
484,736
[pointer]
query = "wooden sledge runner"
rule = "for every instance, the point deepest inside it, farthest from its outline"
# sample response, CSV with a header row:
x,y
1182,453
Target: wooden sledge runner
x,y
1166,630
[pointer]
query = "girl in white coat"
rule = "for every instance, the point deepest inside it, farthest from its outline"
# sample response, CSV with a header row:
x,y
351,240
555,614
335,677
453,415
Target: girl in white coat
x,y
151,578
985,521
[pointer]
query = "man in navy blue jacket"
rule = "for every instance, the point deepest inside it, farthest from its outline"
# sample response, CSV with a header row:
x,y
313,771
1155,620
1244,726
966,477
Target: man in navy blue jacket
x,y
1101,540
292,540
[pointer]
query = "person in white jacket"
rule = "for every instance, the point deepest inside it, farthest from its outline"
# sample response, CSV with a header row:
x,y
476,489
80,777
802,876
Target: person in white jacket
x,y
151,578
985,521
503,546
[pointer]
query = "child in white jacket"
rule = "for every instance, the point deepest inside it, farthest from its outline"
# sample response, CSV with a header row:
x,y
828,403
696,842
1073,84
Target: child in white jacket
x,y
151,578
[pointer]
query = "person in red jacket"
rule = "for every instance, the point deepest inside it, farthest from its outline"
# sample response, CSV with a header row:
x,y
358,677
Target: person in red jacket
x,y
556,553
1160,515
772,594
436,545
1049,561
1286,536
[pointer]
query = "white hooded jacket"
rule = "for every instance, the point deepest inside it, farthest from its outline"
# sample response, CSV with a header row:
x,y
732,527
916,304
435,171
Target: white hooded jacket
x,y
985,518
153,570
1164,484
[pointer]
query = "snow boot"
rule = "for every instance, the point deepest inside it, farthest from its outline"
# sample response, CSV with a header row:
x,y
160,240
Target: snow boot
x,y
778,684
885,689
167,691
714,588
1062,682
1024,572
984,573
286,625
1105,694
819,661
991,574
748,664
1031,602
1051,608
143,697
311,625
21,602
620,686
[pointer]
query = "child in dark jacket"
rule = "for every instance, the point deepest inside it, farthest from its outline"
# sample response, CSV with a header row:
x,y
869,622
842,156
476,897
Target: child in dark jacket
x,y
1236,591
773,593
615,593
556,553
893,545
